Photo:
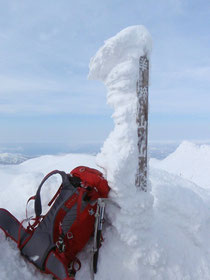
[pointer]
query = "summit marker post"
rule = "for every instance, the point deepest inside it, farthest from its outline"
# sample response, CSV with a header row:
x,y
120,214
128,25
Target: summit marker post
x,y
142,122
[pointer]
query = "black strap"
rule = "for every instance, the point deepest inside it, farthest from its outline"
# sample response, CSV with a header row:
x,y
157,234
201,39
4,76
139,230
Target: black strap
x,y
65,183
75,181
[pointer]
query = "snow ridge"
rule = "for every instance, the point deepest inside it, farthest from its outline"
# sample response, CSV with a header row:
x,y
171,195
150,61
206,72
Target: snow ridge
x,y
186,162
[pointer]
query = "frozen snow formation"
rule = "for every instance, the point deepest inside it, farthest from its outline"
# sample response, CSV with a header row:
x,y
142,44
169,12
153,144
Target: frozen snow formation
x,y
164,238
116,65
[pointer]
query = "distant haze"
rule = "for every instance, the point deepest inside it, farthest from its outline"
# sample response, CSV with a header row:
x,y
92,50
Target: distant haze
x,y
23,151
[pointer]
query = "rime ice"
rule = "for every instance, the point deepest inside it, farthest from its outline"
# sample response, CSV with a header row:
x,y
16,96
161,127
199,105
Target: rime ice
x,y
116,64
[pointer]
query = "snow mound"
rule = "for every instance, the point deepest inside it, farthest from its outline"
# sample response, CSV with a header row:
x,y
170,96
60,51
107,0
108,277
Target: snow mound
x,y
19,182
189,161
181,228
174,244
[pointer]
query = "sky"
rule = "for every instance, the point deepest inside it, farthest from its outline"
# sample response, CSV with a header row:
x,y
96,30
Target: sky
x,y
45,50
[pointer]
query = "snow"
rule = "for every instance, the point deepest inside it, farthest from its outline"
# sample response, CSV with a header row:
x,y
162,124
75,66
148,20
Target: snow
x,y
190,157
162,234
21,181
17,184
116,65
173,245
8,158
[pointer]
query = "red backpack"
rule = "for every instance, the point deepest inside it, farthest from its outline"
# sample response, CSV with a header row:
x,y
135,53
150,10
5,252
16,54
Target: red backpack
x,y
53,241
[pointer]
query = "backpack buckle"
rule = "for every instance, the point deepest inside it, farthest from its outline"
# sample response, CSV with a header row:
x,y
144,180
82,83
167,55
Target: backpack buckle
x,y
91,212
60,245
69,235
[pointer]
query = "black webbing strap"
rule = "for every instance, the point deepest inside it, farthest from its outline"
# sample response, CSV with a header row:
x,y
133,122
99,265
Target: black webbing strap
x,y
65,182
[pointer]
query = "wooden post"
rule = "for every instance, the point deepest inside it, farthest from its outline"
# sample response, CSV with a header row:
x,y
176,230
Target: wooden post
x,y
142,122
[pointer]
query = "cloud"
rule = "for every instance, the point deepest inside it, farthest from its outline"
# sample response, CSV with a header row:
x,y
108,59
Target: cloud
x,y
184,91
40,96
14,85
45,36
179,100
199,73
45,53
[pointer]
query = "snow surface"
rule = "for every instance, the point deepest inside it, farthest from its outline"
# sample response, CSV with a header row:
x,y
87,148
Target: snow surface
x,y
162,234
17,184
190,157
174,246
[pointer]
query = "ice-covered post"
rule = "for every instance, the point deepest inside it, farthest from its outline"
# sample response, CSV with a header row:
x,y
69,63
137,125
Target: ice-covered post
x,y
116,64
142,122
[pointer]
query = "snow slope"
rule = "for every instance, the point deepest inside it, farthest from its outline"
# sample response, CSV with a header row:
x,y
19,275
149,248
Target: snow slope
x,y
9,158
17,184
187,161
174,246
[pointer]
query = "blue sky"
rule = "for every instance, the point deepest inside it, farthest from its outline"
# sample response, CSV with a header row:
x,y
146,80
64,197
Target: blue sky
x,y
45,49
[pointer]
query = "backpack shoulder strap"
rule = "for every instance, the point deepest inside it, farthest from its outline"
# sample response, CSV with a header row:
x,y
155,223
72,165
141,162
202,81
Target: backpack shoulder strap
x,y
65,184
